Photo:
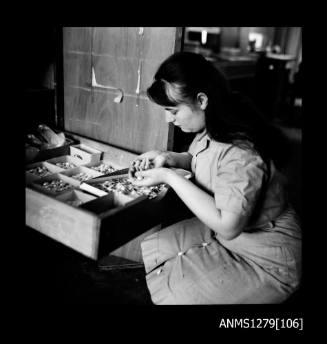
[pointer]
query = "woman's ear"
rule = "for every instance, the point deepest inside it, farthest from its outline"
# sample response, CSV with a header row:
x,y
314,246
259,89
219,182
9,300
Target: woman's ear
x,y
202,100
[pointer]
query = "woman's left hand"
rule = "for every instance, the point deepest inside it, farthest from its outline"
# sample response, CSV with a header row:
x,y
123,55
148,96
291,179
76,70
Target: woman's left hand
x,y
152,177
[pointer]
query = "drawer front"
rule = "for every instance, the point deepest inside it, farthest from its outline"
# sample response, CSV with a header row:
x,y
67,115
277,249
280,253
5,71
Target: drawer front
x,y
68,225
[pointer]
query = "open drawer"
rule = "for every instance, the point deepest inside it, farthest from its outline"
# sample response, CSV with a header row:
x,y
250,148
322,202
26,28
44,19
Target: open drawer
x,y
99,226
95,224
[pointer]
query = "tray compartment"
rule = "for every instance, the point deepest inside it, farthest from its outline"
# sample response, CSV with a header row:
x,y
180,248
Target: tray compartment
x,y
121,185
81,173
75,198
39,170
104,167
110,201
65,162
50,184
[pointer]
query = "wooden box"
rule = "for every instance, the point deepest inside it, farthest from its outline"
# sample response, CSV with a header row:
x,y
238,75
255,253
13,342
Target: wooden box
x,y
42,155
94,228
85,153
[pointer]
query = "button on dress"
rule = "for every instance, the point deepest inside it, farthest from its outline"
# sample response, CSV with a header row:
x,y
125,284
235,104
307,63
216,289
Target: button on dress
x,y
261,265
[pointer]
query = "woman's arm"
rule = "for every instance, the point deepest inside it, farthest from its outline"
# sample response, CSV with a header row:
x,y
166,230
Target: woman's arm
x,y
155,159
179,160
226,224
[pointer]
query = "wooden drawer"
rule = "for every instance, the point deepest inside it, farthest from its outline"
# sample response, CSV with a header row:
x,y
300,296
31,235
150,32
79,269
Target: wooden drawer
x,y
98,227
71,226
95,229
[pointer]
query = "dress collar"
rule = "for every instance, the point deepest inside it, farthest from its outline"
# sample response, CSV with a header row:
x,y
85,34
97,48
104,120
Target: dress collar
x,y
203,141
202,135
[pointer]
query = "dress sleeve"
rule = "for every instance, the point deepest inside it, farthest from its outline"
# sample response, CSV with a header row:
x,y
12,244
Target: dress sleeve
x,y
238,180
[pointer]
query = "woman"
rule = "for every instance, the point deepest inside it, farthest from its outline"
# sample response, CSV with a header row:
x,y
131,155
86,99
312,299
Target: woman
x,y
244,243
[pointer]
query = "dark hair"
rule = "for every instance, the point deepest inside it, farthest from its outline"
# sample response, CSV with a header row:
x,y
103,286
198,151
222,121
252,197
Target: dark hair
x,y
229,116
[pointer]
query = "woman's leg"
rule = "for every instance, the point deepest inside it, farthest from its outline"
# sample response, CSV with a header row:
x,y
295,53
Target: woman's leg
x,y
187,265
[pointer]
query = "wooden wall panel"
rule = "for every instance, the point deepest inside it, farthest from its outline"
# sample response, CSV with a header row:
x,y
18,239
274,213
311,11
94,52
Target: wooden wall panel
x,y
77,104
116,72
159,42
107,71
116,41
77,69
115,54
110,122
77,39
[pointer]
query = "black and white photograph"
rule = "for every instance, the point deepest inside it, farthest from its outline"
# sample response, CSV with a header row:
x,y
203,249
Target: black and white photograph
x,y
163,167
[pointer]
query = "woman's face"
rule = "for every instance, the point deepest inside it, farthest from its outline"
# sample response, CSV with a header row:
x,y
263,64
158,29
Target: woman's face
x,y
189,118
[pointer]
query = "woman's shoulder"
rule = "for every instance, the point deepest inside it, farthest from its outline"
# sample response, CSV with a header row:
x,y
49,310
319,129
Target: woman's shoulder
x,y
242,150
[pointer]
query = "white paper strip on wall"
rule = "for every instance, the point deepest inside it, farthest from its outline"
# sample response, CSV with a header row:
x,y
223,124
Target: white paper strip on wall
x,y
118,98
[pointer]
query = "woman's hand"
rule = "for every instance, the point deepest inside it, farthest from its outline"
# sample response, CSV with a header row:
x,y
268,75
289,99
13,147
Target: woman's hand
x,y
151,159
156,159
152,176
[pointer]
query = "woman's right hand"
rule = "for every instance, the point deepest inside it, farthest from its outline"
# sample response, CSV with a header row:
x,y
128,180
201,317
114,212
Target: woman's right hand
x,y
145,161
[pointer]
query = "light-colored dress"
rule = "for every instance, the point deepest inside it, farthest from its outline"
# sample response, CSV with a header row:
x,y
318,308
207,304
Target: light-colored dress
x,y
186,263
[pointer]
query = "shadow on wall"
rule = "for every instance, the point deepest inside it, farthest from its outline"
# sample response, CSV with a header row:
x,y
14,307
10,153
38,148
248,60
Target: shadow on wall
x,y
39,45
38,66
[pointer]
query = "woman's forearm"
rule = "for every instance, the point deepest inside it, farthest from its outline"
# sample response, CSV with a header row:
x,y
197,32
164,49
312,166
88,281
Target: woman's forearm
x,y
179,160
225,224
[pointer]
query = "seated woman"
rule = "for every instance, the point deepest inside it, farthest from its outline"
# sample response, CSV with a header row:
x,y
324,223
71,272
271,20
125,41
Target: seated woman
x,y
244,243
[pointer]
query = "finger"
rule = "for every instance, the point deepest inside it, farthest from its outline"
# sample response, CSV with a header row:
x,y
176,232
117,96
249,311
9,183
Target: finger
x,y
141,166
151,164
139,175
131,172
138,179
136,163
145,164
144,173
